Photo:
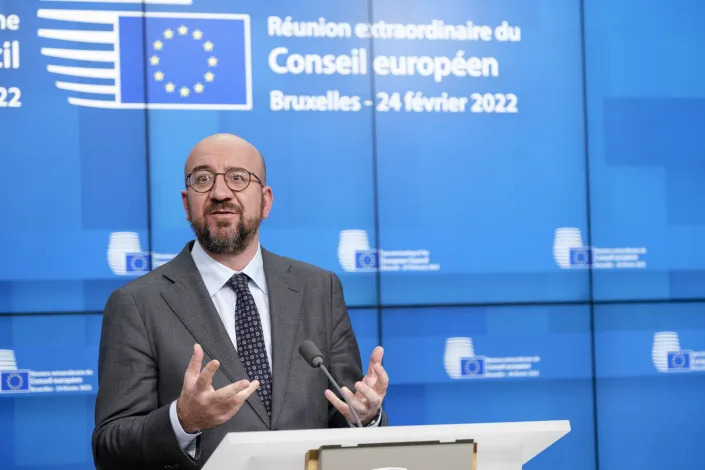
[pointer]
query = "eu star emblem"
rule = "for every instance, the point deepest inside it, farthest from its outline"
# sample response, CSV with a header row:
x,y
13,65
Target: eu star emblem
x,y
185,61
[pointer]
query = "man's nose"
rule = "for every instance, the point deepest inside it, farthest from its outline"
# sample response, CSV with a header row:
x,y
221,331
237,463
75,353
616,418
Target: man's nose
x,y
220,190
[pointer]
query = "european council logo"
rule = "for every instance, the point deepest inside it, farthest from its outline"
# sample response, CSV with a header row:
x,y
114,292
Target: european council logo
x,y
350,244
137,263
472,366
581,257
567,242
668,356
154,60
125,255
366,259
679,360
14,381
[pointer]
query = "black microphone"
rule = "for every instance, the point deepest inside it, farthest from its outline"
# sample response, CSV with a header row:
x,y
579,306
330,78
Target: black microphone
x,y
313,356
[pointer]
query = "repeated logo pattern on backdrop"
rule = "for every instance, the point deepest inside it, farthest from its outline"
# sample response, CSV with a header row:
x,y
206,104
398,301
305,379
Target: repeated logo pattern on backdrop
x,y
355,255
126,258
16,380
668,355
570,252
461,362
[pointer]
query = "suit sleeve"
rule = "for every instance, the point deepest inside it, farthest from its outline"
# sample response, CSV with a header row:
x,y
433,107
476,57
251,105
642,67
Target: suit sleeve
x,y
345,366
131,430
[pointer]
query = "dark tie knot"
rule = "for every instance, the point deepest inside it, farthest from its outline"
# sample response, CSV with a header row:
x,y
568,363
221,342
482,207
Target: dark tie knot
x,y
239,282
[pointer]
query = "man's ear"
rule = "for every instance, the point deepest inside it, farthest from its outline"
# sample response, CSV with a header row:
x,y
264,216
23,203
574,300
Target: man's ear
x,y
184,200
267,200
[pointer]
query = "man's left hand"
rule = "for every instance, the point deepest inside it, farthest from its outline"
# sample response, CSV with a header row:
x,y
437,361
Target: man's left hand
x,y
369,393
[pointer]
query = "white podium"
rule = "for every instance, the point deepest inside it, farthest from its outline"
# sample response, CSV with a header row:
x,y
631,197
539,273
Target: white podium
x,y
500,446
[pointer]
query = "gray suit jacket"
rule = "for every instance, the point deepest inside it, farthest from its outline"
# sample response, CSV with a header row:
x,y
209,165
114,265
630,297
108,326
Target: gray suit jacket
x,y
149,328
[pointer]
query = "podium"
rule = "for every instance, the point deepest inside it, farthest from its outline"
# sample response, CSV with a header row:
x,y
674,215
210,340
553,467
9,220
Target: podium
x,y
499,446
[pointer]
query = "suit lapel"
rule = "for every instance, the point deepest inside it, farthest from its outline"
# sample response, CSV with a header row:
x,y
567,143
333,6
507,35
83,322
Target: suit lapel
x,y
285,297
189,299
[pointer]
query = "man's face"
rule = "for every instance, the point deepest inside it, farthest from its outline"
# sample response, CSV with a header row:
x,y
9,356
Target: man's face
x,y
225,221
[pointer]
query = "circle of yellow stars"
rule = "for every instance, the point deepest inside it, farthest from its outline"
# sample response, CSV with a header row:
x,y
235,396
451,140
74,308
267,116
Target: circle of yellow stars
x,y
155,61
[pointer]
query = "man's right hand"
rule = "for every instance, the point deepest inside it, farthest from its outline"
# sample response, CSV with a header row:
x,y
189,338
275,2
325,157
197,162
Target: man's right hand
x,y
200,406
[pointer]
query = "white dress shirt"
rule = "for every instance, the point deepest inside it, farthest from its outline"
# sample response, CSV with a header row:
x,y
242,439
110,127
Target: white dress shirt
x,y
215,275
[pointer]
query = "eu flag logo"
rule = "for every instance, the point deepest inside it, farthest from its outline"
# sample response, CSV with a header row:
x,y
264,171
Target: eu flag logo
x,y
366,259
137,262
14,381
679,360
472,367
581,256
191,61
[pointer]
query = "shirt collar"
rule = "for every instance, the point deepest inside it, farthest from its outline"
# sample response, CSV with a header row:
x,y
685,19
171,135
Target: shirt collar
x,y
215,274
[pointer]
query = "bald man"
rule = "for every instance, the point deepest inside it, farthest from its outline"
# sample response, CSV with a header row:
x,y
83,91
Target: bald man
x,y
207,343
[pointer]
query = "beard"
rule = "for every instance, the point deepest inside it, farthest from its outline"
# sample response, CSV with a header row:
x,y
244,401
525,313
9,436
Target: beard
x,y
226,239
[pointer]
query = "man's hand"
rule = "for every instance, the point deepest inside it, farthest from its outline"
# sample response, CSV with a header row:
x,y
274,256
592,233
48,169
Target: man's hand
x,y
200,406
370,392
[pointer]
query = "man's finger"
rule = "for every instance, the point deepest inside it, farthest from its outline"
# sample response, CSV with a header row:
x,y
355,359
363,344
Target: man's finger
x,y
355,402
194,365
229,391
244,394
339,405
205,378
375,358
382,380
370,379
373,399
235,402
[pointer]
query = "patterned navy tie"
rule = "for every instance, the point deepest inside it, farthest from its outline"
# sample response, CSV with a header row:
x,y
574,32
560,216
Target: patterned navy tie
x,y
250,339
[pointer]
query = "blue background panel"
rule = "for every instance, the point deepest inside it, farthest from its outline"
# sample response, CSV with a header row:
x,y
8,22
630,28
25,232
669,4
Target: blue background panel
x,y
474,402
78,174
638,402
422,391
49,430
483,203
647,154
47,433
365,322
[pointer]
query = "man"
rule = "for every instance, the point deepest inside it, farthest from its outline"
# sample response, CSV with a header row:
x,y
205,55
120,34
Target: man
x,y
227,301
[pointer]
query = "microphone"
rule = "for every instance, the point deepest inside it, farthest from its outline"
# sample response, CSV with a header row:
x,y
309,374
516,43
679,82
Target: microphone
x,y
313,356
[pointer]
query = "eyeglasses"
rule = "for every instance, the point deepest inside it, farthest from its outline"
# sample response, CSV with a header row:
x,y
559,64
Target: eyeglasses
x,y
237,179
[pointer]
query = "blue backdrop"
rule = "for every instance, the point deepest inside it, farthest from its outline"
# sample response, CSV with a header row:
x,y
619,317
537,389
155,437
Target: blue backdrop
x,y
511,193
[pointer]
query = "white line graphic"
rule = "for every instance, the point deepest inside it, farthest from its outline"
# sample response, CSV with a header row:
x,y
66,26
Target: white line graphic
x,y
96,37
79,54
85,88
82,71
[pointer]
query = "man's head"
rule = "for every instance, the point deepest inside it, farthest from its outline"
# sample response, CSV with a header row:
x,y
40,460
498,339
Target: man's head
x,y
225,221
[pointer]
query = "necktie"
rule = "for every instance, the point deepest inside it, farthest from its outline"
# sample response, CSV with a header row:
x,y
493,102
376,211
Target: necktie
x,y
250,339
